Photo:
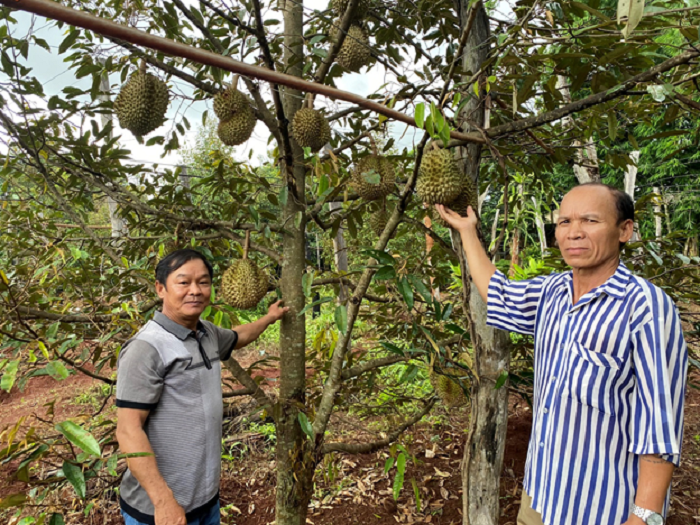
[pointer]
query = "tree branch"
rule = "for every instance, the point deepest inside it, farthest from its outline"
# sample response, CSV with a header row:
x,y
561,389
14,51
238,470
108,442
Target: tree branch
x,y
366,448
381,362
248,382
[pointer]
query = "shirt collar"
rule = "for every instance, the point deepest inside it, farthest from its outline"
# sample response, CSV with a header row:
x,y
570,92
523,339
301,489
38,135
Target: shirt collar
x,y
615,286
179,331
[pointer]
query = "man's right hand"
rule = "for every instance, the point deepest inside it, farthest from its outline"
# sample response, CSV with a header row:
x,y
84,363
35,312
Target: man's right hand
x,y
456,221
170,513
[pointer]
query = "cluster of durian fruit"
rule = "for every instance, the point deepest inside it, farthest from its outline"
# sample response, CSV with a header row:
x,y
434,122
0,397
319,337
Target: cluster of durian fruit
x,y
355,51
441,181
373,179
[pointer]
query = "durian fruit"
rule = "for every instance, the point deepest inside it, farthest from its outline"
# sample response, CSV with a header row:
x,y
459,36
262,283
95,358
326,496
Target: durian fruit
x,y
237,116
364,176
378,221
244,284
448,390
142,102
467,197
355,51
309,127
439,179
340,6
238,128
229,102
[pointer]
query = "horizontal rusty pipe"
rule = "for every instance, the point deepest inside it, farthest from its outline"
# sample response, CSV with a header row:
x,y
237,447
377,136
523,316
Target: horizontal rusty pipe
x,y
56,11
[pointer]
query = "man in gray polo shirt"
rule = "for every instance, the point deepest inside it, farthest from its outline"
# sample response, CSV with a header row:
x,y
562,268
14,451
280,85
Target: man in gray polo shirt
x,y
169,399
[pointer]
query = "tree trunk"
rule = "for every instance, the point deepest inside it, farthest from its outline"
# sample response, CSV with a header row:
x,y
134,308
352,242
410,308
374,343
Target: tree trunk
x,y
295,466
340,251
658,214
119,228
483,453
586,168
539,223
631,184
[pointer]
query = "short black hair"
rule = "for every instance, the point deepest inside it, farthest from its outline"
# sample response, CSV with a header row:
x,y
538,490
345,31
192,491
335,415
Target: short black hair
x,y
176,259
623,203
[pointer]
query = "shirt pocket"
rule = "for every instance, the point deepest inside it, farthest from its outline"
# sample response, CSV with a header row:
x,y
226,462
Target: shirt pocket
x,y
591,377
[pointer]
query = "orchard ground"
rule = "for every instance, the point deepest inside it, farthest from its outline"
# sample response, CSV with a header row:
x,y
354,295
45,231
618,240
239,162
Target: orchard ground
x,y
349,489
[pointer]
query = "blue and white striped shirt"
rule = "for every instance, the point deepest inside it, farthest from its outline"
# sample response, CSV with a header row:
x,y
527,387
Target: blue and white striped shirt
x,y
610,375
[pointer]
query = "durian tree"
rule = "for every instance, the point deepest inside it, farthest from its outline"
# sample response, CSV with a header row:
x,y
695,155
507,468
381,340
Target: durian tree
x,y
479,90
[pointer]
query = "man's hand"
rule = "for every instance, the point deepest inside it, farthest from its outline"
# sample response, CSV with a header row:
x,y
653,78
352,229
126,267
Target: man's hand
x,y
169,513
277,311
455,220
633,520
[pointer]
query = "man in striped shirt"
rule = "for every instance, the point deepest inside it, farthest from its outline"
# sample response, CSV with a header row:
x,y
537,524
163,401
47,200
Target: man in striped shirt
x,y
610,369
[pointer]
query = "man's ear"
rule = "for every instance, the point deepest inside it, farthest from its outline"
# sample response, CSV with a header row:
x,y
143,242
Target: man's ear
x,y
160,289
626,230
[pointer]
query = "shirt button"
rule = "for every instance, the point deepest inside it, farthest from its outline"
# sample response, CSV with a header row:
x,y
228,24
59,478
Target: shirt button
x,y
541,444
545,410
554,378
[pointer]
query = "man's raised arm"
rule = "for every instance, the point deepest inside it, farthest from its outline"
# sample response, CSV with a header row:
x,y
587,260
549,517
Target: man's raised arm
x,y
480,266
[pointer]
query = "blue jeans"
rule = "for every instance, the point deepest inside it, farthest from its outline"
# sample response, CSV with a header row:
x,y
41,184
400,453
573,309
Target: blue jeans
x,y
213,517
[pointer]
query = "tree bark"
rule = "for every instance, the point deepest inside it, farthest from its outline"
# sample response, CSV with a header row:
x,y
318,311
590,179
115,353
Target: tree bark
x,y
631,184
119,228
295,463
658,214
586,168
340,252
483,453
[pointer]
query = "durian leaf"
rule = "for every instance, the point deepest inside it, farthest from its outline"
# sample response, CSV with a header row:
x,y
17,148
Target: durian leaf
x,y
306,427
633,10
406,292
400,472
420,115
341,318
74,474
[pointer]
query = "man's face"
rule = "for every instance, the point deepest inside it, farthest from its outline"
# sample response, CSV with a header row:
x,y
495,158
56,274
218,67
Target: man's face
x,y
587,232
187,292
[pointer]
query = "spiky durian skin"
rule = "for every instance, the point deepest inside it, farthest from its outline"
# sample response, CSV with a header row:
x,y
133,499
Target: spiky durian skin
x,y
378,221
439,178
339,7
311,129
244,284
448,390
469,196
237,129
364,167
355,51
229,102
142,103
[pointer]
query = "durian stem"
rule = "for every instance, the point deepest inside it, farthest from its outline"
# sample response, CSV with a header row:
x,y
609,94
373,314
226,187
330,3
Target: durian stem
x,y
246,245
309,101
142,66
373,144
234,82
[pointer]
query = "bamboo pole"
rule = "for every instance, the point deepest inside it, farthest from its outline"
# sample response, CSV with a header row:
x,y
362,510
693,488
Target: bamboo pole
x,y
56,11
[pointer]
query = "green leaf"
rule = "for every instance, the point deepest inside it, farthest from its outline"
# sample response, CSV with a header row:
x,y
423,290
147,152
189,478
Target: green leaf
x,y
406,292
9,375
283,196
68,41
372,177
391,347
74,474
388,465
306,281
57,370
13,500
382,257
421,288
420,115
56,519
341,318
79,437
385,272
416,494
306,427
501,380
311,305
400,471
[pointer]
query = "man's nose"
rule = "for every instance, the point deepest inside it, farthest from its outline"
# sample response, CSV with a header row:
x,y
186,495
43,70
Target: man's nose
x,y
195,289
575,231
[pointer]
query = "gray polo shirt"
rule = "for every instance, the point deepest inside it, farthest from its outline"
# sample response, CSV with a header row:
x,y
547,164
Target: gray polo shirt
x,y
175,373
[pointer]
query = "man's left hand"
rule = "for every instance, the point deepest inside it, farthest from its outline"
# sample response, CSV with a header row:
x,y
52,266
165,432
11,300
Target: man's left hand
x,y
277,311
